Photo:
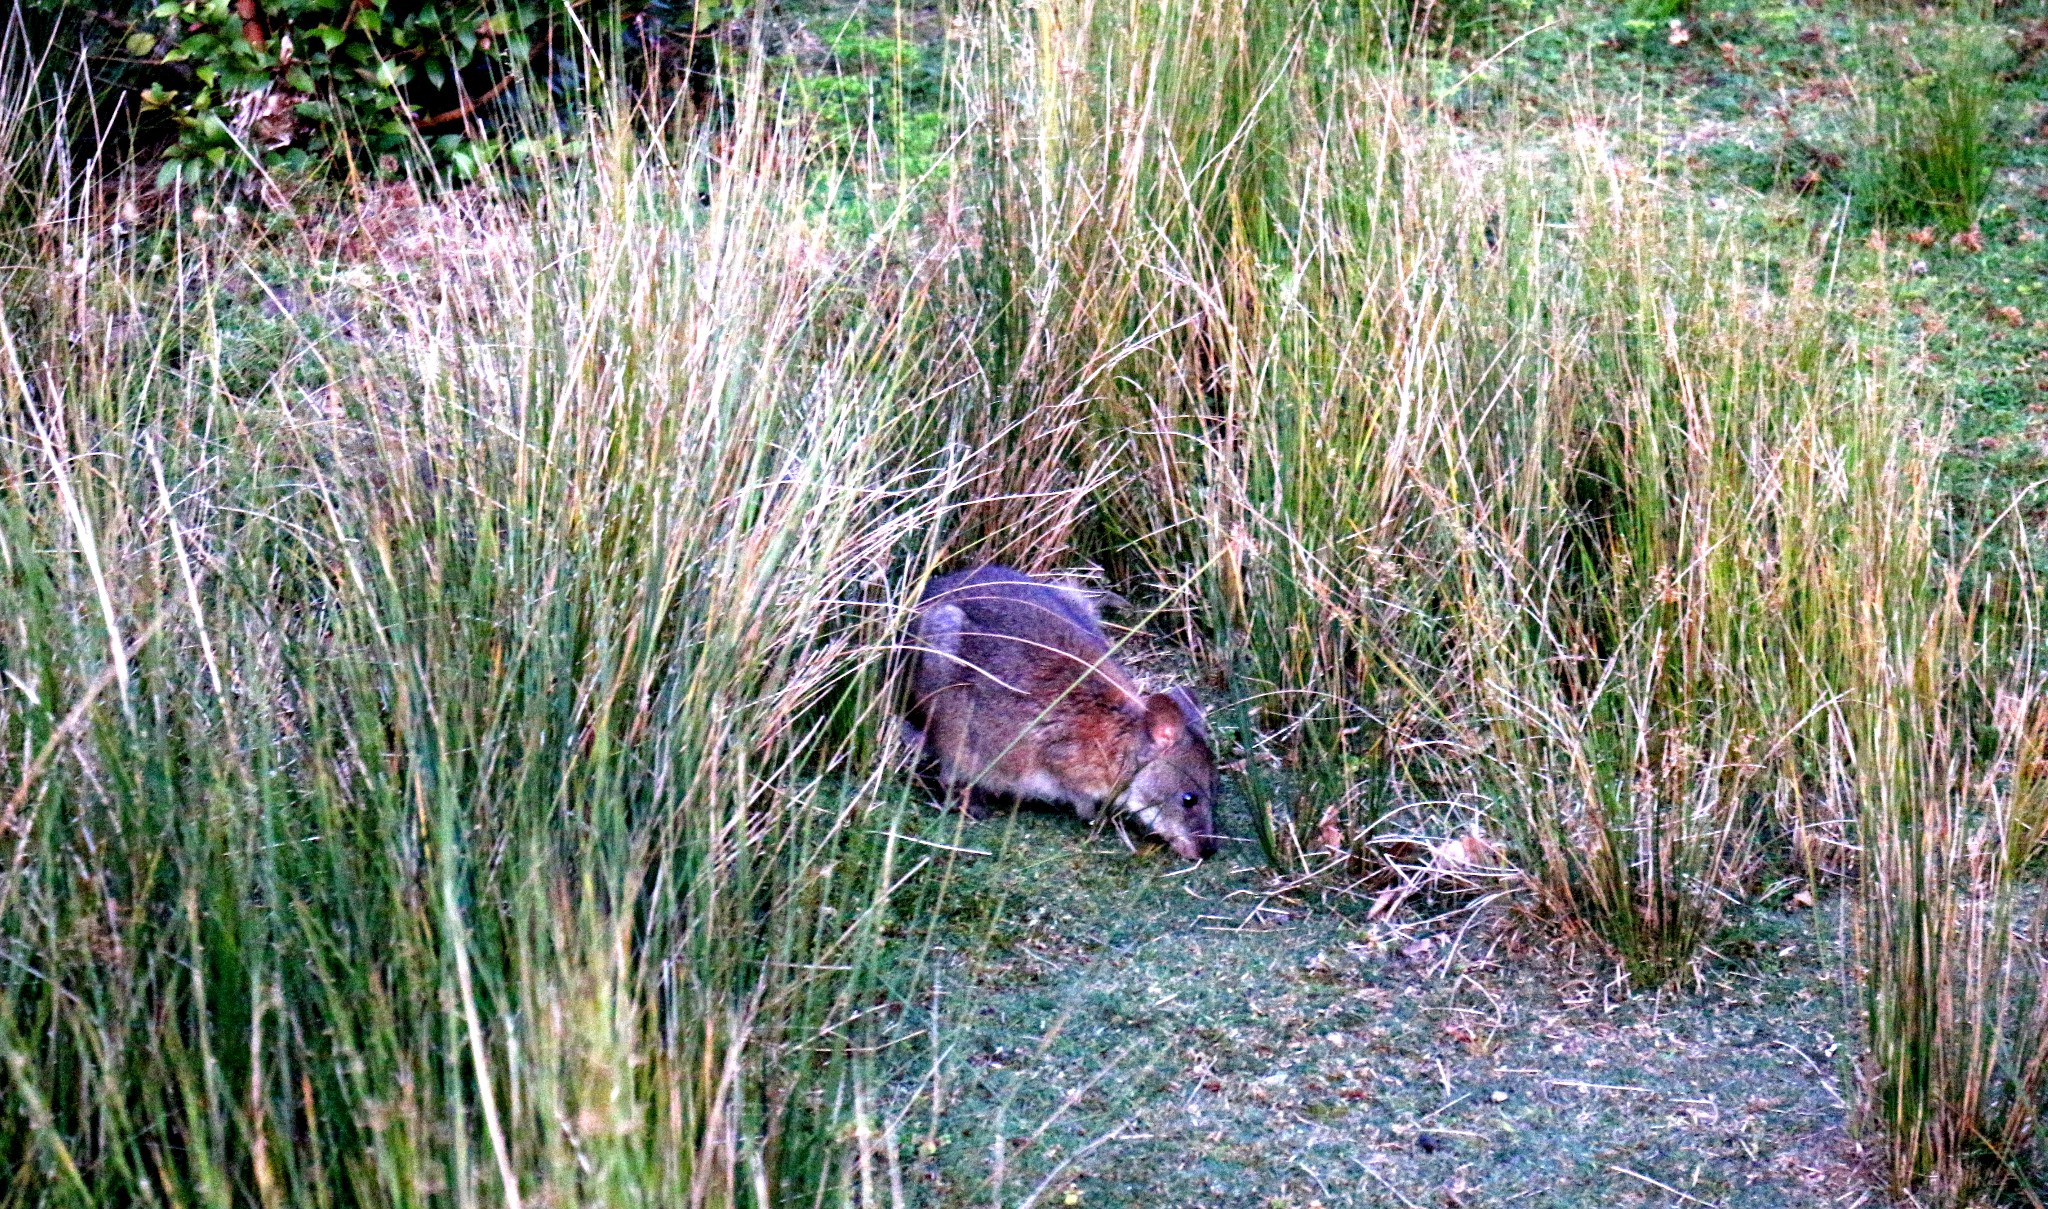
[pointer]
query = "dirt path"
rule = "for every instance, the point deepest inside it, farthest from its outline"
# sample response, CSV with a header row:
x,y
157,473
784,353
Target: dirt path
x,y
1136,1034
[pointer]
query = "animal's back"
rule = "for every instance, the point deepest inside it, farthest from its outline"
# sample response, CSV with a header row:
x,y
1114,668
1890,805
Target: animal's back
x,y
1027,635
997,593
1015,642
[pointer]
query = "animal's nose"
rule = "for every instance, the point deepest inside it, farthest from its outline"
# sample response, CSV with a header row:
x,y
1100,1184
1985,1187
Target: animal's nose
x,y
1206,845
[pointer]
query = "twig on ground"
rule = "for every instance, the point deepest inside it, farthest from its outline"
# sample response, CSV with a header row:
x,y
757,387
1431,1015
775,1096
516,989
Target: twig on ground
x,y
1397,1194
1683,1196
1053,1176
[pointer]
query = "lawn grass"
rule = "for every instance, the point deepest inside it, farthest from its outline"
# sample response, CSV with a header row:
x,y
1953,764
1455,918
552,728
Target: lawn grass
x,y
1134,1033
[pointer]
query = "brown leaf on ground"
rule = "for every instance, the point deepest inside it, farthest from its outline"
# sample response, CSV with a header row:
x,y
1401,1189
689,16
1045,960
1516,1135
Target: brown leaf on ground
x,y
1329,835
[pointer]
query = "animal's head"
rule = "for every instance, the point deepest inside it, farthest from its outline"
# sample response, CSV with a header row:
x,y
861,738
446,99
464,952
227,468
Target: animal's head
x,y
1173,792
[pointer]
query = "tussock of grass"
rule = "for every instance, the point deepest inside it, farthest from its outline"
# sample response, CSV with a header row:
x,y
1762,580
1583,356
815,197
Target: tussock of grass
x,y
1934,144
1949,783
425,782
1480,484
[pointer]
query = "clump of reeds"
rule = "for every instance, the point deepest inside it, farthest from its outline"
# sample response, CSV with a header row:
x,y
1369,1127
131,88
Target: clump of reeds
x,y
431,773
1933,144
443,755
1657,603
1502,475
1949,781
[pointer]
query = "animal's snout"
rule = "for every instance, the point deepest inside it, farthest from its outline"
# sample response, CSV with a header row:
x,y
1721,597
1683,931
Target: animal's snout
x,y
1194,847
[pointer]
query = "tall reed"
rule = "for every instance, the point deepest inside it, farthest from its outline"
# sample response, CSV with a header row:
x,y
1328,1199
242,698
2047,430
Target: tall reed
x,y
1950,782
430,775
27,95
1507,474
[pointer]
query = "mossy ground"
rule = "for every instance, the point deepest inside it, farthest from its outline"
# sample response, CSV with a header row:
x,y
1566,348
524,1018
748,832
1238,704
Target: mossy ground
x,y
1118,1028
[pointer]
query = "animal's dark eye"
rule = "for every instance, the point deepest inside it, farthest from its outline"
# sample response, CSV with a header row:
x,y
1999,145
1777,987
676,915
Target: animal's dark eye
x,y
1188,799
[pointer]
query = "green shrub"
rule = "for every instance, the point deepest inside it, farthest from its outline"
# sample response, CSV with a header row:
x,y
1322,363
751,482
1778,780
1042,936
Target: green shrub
x,y
873,84
227,86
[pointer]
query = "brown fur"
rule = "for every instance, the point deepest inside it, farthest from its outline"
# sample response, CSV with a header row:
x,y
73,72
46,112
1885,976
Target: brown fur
x,y
1016,693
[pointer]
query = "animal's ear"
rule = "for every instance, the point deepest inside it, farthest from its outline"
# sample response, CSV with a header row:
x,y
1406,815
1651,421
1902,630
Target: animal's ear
x,y
1164,722
1191,711
940,628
